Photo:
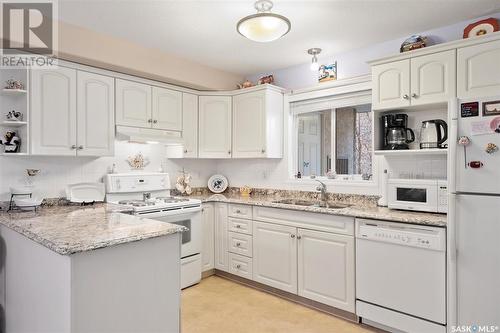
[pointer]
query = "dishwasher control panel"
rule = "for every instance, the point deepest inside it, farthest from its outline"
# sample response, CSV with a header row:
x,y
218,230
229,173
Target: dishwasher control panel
x,y
397,233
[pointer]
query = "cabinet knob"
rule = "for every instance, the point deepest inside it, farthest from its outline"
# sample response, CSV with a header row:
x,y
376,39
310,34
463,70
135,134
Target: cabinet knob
x,y
229,152
73,147
150,121
185,151
238,266
238,226
80,147
155,121
292,235
238,211
414,95
238,244
299,236
263,150
405,96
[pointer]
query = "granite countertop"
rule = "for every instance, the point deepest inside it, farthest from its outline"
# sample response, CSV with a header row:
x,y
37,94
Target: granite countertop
x,y
72,229
360,210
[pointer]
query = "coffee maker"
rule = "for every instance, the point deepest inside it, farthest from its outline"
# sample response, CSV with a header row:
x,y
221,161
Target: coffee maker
x,y
396,133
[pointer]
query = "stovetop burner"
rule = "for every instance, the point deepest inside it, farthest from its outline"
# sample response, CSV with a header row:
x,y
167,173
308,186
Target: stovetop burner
x,y
133,203
171,199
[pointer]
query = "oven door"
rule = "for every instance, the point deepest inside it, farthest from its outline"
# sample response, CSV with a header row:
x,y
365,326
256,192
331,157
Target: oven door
x,y
419,196
189,218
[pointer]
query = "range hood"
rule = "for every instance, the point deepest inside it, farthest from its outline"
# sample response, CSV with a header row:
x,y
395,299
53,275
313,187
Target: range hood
x,y
149,135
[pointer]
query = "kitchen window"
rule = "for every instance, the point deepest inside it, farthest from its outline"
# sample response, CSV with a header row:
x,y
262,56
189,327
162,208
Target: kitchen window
x,y
334,137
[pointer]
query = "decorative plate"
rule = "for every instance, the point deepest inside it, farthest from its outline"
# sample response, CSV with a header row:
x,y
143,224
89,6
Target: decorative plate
x,y
482,27
217,183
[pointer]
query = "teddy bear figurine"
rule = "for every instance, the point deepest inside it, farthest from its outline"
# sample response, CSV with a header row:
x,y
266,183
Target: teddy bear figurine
x,y
11,143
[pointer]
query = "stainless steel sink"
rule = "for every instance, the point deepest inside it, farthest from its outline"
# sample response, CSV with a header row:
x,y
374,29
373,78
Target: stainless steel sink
x,y
333,205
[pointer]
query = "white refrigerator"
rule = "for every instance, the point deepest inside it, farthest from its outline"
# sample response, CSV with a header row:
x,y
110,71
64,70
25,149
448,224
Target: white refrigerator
x,y
474,215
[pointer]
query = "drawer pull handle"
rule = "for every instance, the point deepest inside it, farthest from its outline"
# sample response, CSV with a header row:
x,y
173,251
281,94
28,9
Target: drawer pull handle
x,y
238,226
299,236
238,266
405,96
238,211
238,244
292,235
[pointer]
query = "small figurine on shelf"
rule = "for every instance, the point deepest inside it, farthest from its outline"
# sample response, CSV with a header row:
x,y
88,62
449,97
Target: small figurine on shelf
x,y
14,84
183,183
269,79
14,116
246,84
12,143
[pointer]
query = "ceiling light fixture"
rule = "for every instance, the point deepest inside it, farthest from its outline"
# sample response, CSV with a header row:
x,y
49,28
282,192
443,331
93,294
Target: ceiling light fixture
x,y
314,62
263,26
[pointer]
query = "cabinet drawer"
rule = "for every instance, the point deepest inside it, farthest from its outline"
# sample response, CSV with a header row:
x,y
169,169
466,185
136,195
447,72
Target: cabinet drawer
x,y
240,225
241,211
240,265
317,221
240,243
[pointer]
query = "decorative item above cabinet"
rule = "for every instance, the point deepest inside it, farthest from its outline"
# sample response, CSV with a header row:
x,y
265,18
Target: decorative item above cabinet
x,y
415,81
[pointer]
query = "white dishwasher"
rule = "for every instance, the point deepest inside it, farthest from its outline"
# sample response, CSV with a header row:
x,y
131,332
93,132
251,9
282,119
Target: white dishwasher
x,y
401,276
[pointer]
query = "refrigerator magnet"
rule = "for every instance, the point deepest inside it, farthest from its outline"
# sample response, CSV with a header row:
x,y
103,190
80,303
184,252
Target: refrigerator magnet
x,y
495,124
470,109
491,108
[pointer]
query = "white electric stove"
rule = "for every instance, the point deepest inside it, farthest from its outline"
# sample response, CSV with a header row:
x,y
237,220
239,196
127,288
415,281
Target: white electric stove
x,y
148,195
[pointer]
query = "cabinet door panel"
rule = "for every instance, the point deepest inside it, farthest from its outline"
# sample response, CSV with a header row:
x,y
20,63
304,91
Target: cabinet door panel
x,y
391,85
479,70
221,237
215,127
167,109
95,114
326,268
208,251
433,78
53,111
275,256
133,104
190,124
249,124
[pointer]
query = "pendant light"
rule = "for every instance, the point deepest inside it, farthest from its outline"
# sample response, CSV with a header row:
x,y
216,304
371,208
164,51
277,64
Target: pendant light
x,y
263,26
314,62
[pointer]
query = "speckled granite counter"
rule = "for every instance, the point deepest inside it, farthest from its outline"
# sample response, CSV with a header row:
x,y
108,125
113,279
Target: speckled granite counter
x,y
71,229
356,210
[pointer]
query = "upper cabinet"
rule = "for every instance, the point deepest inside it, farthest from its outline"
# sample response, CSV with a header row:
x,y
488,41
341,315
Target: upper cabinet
x,y
167,109
479,70
145,106
258,124
72,113
391,84
215,113
133,104
190,124
420,80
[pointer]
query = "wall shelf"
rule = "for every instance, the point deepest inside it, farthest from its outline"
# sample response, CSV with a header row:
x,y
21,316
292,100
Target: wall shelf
x,y
409,152
13,123
13,92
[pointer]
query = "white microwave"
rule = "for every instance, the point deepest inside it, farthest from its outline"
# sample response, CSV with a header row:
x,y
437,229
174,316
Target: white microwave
x,y
426,195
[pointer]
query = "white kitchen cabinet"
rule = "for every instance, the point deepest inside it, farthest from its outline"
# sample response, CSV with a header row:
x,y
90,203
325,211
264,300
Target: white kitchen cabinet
x,y
95,114
275,256
326,268
190,124
433,78
391,85
208,250
221,237
53,111
258,124
167,109
133,104
478,70
215,116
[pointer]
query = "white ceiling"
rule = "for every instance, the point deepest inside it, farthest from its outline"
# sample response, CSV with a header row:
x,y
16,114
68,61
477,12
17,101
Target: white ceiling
x,y
204,31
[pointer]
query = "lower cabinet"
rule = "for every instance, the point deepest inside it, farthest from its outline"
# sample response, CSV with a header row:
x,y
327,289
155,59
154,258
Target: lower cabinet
x,y
221,236
208,250
275,256
326,268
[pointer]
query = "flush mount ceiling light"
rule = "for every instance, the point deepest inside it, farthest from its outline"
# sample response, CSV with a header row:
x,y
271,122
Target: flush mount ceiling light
x,y
263,26
314,62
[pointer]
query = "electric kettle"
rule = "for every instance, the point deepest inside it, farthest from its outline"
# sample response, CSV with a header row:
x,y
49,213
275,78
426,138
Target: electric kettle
x,y
433,134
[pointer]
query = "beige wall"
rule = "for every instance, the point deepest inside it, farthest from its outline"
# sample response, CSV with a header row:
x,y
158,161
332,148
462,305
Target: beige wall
x,y
96,49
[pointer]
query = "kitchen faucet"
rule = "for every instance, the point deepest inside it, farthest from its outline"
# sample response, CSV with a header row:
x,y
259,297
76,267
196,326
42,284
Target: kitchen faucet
x,y
322,189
